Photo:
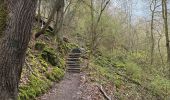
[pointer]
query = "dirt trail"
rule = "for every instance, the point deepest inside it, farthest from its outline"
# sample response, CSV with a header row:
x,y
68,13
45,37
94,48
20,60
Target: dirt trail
x,y
67,89
74,86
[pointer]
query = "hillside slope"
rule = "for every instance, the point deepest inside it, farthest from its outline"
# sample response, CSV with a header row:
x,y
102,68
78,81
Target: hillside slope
x,y
44,65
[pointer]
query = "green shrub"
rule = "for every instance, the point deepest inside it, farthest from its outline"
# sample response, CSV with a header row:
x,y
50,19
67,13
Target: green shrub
x,y
161,85
133,70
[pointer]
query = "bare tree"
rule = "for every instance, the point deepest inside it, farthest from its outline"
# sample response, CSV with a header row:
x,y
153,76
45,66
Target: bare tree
x,y
94,24
153,7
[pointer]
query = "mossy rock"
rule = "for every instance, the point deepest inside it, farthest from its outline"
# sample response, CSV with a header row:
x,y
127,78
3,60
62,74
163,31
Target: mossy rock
x,y
49,55
40,46
61,63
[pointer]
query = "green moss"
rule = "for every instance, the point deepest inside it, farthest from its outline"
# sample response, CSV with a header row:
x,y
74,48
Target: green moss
x,y
70,46
55,74
40,46
3,17
48,68
35,87
45,75
50,55
61,63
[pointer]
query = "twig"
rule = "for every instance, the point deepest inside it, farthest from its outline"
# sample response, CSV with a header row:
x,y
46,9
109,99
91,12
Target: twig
x,y
29,68
104,93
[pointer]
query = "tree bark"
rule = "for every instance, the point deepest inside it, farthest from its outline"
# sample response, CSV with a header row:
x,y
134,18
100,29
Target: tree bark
x,y
153,4
39,14
14,44
58,26
3,17
165,18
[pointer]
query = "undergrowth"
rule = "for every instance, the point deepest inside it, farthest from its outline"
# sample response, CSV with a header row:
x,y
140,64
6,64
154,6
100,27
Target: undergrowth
x,y
127,73
45,66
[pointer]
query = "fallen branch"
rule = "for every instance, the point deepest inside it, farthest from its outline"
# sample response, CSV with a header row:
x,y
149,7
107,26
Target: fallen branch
x,y
29,68
103,92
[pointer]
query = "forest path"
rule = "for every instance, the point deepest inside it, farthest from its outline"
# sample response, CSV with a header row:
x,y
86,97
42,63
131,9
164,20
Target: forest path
x,y
74,86
67,89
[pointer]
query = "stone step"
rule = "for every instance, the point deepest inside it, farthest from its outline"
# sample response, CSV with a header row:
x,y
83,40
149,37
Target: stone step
x,y
73,59
74,54
73,66
74,70
68,61
76,59
72,62
77,55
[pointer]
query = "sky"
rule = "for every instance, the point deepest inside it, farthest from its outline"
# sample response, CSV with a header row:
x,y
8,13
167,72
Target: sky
x,y
140,8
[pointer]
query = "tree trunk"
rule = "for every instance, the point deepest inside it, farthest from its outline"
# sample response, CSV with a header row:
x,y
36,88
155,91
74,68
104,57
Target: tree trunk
x,y
59,25
57,6
152,29
165,18
39,14
3,17
14,44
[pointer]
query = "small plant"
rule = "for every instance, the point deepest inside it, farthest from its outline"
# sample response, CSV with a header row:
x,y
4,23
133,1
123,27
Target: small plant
x,y
40,46
133,71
